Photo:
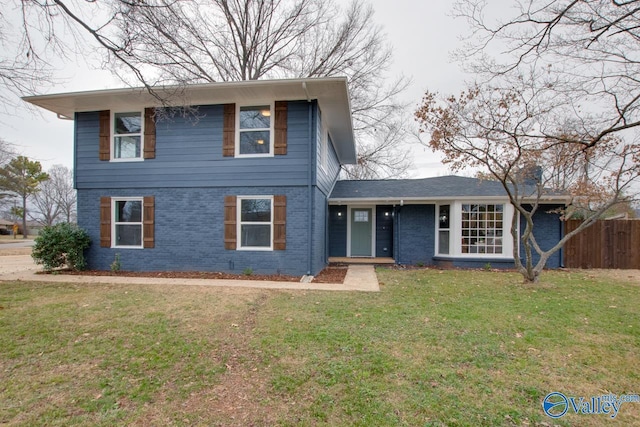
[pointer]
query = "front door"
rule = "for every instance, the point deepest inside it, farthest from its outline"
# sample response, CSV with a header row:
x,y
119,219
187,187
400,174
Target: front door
x,y
361,232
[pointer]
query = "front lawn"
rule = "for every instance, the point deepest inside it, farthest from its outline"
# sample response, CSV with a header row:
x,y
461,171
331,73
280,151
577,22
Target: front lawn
x,y
433,348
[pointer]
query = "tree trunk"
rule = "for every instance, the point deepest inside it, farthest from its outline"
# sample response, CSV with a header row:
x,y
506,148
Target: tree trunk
x,y
24,217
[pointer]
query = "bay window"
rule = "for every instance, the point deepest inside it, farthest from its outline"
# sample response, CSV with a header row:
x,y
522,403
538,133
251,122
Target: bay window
x,y
474,230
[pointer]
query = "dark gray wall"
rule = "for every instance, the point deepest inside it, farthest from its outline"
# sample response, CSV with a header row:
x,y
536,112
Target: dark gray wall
x,y
415,231
384,231
547,230
338,231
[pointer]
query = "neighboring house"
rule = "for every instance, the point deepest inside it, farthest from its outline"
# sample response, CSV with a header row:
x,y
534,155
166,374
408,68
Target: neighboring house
x,y
6,227
248,180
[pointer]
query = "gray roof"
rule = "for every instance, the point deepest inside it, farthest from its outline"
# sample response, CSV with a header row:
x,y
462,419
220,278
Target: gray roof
x,y
437,188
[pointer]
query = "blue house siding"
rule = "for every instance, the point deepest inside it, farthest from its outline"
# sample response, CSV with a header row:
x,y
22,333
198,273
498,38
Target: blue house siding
x,y
319,237
384,231
189,154
548,230
325,177
189,232
415,233
338,231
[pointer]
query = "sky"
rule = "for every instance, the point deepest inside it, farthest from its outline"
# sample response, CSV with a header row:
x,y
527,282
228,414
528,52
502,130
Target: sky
x,y
422,35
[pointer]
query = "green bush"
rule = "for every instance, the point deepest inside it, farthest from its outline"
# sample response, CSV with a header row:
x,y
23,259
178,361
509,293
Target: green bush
x,y
60,245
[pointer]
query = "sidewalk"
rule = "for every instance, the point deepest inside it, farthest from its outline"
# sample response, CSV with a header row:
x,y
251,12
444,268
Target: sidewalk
x,y
359,278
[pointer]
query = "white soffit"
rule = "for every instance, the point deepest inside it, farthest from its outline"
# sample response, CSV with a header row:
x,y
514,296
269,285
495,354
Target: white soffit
x,y
331,93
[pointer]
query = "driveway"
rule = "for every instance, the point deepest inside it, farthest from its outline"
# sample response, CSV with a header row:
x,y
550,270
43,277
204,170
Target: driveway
x,y
16,258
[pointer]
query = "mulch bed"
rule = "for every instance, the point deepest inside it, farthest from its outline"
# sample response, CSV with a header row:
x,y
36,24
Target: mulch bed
x,y
328,275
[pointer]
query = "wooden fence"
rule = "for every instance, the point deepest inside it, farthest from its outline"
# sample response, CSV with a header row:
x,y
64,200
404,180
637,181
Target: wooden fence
x,y
606,244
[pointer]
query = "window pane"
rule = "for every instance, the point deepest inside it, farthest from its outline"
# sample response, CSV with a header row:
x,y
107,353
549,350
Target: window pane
x,y
482,229
126,147
128,235
127,123
255,117
128,211
361,216
255,210
254,142
256,235
443,242
444,216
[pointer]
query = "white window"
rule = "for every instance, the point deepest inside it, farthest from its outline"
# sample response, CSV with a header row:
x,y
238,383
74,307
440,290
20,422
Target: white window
x,y
444,229
255,222
474,230
255,131
127,136
127,222
482,228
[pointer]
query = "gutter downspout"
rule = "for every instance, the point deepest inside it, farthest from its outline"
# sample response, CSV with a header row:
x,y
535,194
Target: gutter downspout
x,y
561,251
310,188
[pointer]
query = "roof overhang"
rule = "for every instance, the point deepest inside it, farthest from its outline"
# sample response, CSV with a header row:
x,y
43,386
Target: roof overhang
x,y
434,200
332,94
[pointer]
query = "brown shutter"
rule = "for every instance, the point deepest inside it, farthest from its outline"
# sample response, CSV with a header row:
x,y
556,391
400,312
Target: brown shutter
x,y
148,222
280,128
105,135
279,223
149,133
230,230
105,222
229,131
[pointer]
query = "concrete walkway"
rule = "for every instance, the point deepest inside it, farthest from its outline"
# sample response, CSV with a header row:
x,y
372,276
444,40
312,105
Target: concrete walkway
x,y
359,278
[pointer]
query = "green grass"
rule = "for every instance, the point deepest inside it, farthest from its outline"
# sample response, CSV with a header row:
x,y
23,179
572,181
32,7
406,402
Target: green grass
x,y
433,348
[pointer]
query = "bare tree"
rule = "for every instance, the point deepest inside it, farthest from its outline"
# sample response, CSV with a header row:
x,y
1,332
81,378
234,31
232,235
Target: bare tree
x,y
499,131
585,54
56,200
188,41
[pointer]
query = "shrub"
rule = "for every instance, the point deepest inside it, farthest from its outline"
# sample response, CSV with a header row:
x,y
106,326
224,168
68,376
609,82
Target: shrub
x,y
60,245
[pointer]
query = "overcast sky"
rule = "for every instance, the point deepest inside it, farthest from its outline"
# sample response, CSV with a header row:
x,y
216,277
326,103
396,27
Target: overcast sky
x,y
422,35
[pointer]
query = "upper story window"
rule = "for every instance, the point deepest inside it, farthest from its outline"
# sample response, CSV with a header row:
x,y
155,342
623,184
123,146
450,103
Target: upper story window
x,y
127,136
255,130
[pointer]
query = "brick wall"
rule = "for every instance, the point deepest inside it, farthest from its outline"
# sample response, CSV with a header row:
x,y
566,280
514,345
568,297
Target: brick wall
x,y
415,234
189,232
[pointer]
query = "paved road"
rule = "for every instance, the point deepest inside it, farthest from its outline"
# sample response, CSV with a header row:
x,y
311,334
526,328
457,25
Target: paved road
x,y
18,243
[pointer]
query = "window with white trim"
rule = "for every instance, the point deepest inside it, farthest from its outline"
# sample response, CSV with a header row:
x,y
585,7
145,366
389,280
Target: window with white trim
x,y
444,225
255,222
127,136
473,230
255,131
127,222
482,228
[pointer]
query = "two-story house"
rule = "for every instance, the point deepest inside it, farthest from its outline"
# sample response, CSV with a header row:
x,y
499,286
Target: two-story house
x,y
246,178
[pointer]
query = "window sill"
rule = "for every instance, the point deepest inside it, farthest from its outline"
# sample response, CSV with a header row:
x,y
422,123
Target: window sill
x,y
133,159
473,257
258,249
127,247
